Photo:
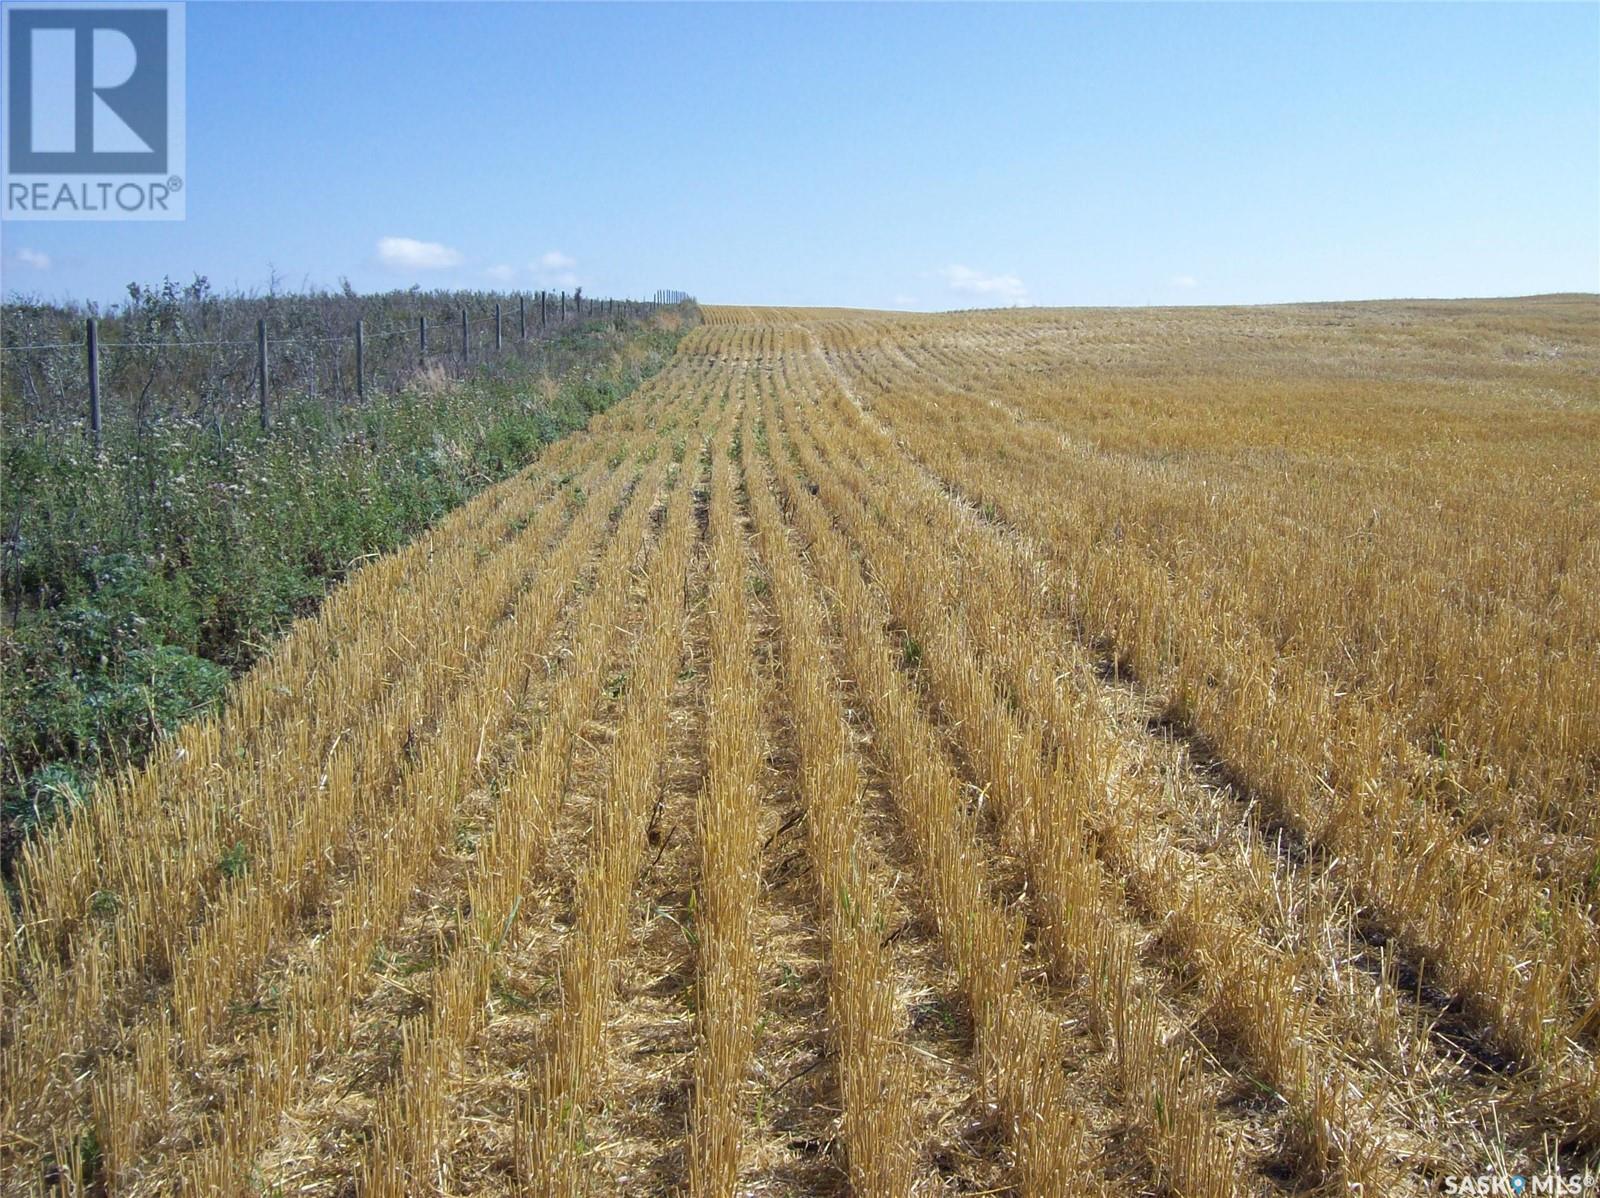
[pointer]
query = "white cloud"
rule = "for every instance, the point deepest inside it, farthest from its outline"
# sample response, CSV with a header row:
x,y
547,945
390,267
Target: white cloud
x,y
1004,289
37,259
555,269
407,253
500,272
1185,282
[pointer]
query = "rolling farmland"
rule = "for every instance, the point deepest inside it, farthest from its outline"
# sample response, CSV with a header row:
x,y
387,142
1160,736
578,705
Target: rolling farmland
x,y
1040,752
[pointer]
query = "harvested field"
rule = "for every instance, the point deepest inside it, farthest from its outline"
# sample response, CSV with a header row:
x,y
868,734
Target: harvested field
x,y
1037,751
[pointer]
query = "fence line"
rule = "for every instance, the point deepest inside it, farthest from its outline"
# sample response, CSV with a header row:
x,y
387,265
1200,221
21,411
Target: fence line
x,y
550,304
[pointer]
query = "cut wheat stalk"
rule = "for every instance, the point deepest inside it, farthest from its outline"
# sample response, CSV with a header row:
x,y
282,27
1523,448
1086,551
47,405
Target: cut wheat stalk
x,y
551,1118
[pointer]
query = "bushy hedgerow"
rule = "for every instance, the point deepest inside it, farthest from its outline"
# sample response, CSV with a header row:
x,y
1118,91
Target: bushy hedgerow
x,y
140,579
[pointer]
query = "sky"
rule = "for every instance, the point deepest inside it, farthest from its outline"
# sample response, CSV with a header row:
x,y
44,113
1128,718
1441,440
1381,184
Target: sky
x,y
894,156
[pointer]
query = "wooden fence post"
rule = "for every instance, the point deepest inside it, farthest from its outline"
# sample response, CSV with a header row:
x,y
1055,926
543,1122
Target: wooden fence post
x,y
422,340
497,342
563,305
463,336
522,317
94,381
261,373
543,320
361,360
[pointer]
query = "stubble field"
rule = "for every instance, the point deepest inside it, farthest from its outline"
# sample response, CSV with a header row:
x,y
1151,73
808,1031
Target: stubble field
x,y
1039,752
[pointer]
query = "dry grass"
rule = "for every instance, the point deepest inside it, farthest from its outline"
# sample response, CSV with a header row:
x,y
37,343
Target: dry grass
x,y
1137,751
725,917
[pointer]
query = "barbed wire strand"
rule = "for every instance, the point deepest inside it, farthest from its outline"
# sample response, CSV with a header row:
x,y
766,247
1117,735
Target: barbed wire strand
x,y
109,346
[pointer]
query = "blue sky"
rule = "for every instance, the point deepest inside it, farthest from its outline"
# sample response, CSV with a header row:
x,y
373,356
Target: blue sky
x,y
892,156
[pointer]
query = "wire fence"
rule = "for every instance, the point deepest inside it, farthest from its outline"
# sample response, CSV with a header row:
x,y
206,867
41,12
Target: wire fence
x,y
149,367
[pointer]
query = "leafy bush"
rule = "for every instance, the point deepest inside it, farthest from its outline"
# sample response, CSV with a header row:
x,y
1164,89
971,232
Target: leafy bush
x,y
138,580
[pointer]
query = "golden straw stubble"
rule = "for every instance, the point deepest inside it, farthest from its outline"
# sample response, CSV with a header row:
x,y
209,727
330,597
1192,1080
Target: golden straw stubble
x,y
1207,698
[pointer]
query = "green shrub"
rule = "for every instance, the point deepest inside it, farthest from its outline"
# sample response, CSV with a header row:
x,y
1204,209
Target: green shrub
x,y
51,791
139,580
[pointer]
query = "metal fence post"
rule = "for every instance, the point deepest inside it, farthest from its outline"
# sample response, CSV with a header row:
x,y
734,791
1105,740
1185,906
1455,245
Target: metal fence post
x,y
463,336
94,381
497,341
563,305
422,340
522,317
542,316
361,360
261,361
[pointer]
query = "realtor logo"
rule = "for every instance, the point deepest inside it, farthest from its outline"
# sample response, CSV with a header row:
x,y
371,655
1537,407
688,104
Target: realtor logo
x,y
94,107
